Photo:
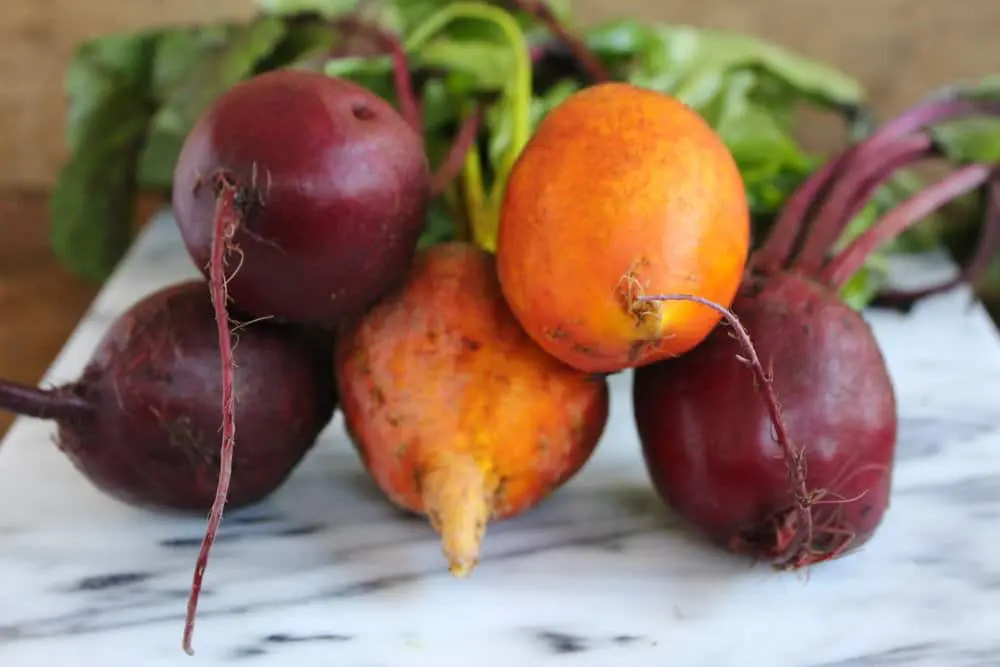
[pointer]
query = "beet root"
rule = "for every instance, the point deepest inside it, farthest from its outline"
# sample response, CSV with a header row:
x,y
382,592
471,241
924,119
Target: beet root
x,y
708,438
329,188
142,421
456,413
809,482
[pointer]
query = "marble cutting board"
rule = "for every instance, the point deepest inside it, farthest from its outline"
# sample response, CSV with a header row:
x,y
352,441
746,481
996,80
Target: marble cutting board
x,y
326,573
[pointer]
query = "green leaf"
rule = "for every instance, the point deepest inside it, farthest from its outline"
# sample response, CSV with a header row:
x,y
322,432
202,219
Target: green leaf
x,y
193,67
94,196
101,67
303,41
440,225
295,7
747,89
975,139
110,109
969,140
487,66
133,99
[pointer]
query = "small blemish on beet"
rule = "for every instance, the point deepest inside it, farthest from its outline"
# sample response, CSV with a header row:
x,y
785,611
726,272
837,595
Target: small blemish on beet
x,y
362,111
555,334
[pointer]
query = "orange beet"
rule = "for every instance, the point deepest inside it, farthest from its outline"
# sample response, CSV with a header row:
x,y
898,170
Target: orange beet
x,y
621,192
455,411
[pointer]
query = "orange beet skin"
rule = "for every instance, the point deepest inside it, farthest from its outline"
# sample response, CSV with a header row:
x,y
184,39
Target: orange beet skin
x,y
455,411
621,192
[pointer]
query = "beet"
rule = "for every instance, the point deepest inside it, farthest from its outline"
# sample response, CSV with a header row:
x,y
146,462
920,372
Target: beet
x,y
796,468
142,422
302,198
327,187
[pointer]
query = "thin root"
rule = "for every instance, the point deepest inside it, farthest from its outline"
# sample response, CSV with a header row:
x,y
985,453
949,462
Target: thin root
x,y
232,202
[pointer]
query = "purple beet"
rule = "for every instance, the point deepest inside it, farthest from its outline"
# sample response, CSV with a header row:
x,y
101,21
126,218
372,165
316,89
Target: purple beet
x,y
792,463
142,422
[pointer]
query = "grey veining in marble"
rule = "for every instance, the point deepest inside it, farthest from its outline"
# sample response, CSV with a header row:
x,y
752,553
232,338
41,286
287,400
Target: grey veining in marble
x,y
326,573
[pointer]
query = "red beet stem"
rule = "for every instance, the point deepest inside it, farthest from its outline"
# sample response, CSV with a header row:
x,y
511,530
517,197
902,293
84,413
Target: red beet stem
x,y
852,193
586,58
794,459
908,151
850,260
775,252
57,404
230,204
452,164
777,249
409,102
986,249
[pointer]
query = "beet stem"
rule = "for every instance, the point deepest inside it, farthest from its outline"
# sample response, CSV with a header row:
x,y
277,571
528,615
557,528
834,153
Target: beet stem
x,y
776,250
907,214
231,200
987,247
409,102
848,196
794,458
585,57
57,404
454,161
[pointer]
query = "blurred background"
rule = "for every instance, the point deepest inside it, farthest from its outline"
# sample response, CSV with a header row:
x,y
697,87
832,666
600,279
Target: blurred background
x,y
898,49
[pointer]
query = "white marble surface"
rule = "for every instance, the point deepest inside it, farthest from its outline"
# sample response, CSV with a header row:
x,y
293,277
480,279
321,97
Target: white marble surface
x,y
325,573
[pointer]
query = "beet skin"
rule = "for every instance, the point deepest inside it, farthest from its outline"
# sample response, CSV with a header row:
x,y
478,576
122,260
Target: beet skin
x,y
708,438
142,422
332,184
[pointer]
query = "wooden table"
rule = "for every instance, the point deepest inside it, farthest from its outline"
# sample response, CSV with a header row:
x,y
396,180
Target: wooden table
x,y
40,302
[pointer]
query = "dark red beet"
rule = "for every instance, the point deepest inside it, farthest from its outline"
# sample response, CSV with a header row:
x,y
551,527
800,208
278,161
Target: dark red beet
x,y
142,422
708,439
331,187
301,197
810,480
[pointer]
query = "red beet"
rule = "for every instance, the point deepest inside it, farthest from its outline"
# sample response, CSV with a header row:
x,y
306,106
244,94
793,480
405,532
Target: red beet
x,y
312,192
810,480
326,188
142,422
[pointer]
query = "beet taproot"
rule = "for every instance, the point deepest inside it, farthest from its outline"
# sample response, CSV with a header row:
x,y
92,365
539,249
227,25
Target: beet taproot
x,y
456,413
142,421
814,484
620,192
302,198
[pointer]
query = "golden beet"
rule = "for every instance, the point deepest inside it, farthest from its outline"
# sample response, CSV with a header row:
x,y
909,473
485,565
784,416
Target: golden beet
x,y
455,411
621,192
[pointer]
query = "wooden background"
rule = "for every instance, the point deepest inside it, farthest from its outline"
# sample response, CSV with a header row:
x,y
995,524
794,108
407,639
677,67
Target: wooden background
x,y
898,48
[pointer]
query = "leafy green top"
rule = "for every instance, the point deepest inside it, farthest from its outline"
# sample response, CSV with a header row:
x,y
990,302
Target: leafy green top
x,y
134,97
